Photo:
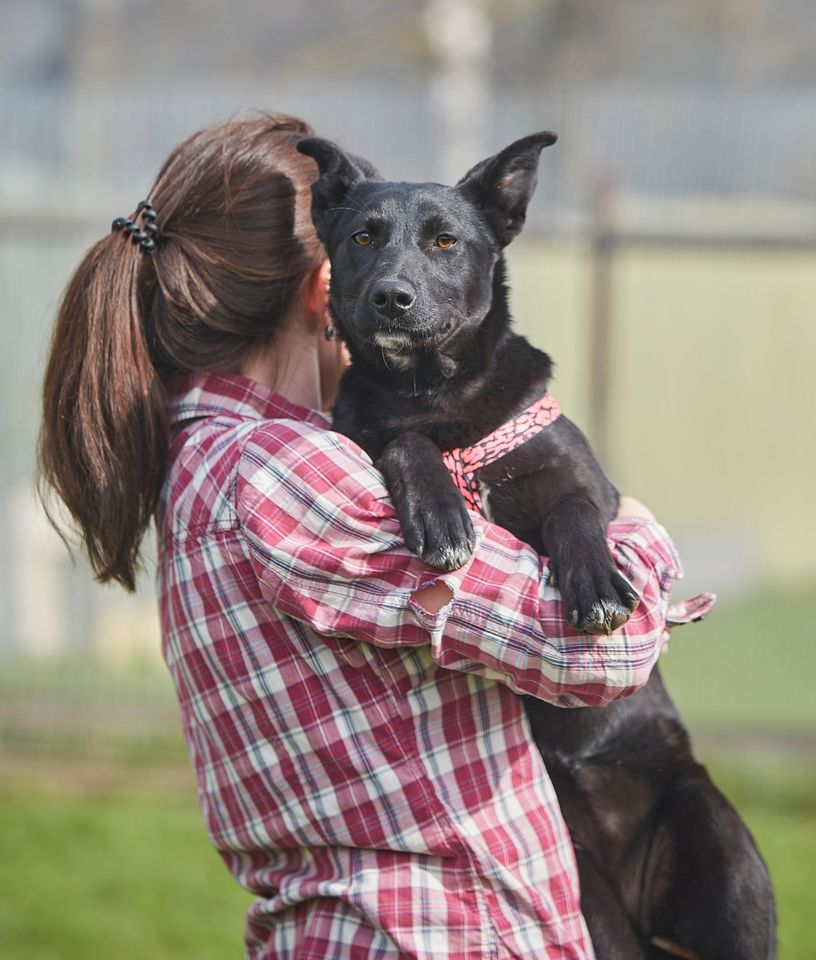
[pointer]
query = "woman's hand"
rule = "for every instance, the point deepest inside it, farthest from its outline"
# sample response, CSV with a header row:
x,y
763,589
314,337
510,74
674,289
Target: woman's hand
x,y
629,507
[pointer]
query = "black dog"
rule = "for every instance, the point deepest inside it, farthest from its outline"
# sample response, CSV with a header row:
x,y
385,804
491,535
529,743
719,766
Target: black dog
x,y
418,293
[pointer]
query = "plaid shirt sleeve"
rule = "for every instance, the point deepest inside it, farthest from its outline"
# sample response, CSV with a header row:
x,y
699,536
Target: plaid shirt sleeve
x,y
326,546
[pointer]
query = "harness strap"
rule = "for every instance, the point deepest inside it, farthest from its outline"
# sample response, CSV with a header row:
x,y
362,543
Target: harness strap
x,y
463,462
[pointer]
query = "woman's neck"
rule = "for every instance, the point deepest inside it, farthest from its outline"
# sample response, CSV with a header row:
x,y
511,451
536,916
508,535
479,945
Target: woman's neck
x,y
290,366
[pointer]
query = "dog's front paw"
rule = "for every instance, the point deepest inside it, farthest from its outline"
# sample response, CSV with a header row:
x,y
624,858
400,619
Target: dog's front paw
x,y
599,601
438,529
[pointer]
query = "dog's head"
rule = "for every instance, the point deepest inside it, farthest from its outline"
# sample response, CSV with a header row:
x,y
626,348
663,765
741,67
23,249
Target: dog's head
x,y
413,263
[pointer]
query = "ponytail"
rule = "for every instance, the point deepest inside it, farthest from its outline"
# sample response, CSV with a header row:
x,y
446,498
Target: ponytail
x,y
234,244
103,439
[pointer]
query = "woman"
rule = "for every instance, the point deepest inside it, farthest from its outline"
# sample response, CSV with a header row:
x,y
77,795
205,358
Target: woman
x,y
363,761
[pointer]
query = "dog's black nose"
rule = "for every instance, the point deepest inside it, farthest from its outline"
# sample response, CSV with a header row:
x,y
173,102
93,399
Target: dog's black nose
x,y
393,298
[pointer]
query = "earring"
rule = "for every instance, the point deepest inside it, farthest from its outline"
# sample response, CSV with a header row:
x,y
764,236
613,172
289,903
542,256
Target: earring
x,y
328,331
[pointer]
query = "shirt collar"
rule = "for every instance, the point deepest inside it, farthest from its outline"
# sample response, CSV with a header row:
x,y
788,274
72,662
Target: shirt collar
x,y
215,395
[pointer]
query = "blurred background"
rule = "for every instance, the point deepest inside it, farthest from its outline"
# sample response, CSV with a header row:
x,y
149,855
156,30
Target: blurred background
x,y
668,265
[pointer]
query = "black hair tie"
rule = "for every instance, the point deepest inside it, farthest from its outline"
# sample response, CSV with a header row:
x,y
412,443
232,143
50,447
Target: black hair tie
x,y
143,235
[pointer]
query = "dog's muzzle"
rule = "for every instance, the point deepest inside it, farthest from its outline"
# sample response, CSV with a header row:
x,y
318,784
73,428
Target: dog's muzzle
x,y
398,348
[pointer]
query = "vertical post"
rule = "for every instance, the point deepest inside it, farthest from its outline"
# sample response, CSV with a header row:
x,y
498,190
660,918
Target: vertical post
x,y
460,34
602,320
37,619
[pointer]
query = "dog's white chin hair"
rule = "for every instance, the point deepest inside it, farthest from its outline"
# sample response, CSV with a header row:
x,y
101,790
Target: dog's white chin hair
x,y
397,348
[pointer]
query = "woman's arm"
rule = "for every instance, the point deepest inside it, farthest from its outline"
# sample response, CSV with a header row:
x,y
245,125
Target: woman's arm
x,y
435,596
326,545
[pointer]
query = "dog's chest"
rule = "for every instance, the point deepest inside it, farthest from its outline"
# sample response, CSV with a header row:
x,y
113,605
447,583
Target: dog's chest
x,y
466,463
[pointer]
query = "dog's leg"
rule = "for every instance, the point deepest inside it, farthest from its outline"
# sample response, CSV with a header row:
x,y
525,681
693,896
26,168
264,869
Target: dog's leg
x,y
596,597
433,516
613,935
706,891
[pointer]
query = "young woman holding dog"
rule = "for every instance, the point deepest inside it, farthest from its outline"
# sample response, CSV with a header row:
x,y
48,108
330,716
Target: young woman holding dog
x,y
363,761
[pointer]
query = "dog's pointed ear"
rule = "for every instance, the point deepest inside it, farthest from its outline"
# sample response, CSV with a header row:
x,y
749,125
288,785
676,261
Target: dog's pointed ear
x,y
339,172
503,185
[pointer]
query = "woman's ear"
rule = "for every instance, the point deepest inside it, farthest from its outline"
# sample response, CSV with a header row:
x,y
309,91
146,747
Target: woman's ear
x,y
317,292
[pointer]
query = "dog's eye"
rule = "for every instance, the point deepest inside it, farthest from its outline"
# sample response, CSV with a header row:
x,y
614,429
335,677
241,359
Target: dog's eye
x,y
445,241
362,238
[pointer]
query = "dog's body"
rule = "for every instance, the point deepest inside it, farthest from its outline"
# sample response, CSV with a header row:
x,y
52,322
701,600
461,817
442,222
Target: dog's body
x,y
419,295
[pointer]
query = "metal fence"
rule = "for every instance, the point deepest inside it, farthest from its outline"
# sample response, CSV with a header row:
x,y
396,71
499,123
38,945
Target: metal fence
x,y
679,314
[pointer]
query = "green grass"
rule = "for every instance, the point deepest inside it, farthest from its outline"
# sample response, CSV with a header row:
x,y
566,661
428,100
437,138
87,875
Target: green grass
x,y
124,870
743,681
113,875
751,666
777,799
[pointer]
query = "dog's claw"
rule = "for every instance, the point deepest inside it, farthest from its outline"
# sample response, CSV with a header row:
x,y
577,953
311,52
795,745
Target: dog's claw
x,y
600,602
449,557
604,617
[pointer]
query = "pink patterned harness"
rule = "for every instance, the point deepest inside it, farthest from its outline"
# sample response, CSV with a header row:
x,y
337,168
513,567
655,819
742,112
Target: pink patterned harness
x,y
463,462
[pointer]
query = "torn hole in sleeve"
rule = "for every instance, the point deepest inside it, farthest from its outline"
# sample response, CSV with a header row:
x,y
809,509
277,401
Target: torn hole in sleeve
x,y
433,600
433,597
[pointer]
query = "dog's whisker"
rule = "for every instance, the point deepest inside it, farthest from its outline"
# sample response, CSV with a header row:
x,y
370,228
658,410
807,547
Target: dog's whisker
x,y
350,209
385,359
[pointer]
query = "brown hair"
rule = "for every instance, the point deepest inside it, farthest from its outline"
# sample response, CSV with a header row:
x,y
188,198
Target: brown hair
x,y
235,243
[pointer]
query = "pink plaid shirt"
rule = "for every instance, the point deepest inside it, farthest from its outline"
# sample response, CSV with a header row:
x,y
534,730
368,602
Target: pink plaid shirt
x,y
365,768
